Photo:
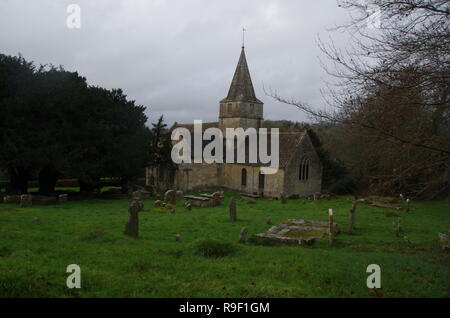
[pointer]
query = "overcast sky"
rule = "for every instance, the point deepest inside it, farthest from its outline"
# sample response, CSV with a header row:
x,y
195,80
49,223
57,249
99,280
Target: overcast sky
x,y
177,57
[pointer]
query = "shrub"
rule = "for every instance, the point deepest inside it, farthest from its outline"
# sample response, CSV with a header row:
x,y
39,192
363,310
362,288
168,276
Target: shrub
x,y
210,247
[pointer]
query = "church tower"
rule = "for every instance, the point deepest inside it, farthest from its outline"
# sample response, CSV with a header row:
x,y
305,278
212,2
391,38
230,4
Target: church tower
x,y
241,108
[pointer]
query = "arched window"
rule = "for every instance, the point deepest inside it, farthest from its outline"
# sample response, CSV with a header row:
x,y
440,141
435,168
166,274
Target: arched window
x,y
303,171
244,177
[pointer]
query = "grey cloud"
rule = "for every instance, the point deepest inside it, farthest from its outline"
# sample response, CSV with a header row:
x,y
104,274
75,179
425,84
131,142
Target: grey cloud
x,y
177,57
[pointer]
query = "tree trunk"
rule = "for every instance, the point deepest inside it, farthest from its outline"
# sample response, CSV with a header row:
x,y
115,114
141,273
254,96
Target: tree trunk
x,y
48,176
18,177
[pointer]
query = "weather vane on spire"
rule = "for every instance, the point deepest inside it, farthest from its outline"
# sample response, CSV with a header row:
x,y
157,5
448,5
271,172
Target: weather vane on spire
x,y
243,37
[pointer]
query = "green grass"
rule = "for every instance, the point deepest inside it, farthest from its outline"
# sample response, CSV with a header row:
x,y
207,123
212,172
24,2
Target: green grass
x,y
34,257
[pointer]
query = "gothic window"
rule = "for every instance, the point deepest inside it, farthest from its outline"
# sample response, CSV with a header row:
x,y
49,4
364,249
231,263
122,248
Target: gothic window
x,y
303,171
244,177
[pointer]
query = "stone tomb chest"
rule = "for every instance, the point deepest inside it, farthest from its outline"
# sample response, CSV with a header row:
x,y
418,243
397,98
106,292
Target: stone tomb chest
x,y
294,232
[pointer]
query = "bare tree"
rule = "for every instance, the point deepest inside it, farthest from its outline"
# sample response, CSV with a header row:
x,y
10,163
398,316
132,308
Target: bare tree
x,y
391,83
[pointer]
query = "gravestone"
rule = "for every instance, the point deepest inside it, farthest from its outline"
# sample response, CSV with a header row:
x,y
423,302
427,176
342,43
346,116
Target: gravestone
x,y
242,235
233,210
351,224
62,198
36,220
188,205
170,197
215,199
26,200
132,226
157,203
283,198
178,238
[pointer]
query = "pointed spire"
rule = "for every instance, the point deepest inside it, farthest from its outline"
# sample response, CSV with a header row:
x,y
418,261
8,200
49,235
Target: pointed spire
x,y
241,88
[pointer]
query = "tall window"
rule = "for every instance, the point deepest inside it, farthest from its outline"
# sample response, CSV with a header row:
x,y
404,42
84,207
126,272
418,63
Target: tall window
x,y
244,177
261,180
303,173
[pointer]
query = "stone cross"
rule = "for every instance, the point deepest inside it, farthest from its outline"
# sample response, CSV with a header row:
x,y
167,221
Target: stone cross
x,y
132,226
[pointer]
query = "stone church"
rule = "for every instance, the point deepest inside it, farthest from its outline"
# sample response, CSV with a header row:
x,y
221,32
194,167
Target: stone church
x,y
300,170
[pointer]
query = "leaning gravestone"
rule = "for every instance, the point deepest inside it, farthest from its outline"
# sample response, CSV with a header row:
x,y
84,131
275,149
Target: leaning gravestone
x,y
233,210
132,226
170,197
243,235
26,200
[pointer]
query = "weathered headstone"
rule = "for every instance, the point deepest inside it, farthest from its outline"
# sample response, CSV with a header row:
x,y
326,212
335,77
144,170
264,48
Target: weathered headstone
x,y
157,203
188,205
62,198
178,238
242,235
26,200
132,226
233,210
215,200
170,197
283,198
351,223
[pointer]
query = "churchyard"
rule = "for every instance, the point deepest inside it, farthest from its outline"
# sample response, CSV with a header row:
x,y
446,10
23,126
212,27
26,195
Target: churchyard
x,y
196,250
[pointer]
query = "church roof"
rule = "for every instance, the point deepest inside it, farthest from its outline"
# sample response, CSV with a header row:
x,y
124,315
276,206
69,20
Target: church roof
x,y
288,142
241,88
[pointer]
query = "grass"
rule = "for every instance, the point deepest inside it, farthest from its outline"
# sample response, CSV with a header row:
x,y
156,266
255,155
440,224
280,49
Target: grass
x,y
34,256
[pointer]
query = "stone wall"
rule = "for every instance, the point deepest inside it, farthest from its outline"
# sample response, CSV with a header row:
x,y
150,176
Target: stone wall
x,y
197,176
231,179
292,184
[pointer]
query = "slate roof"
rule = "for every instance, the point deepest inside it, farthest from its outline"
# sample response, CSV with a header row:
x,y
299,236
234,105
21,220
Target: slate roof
x,y
241,88
288,142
